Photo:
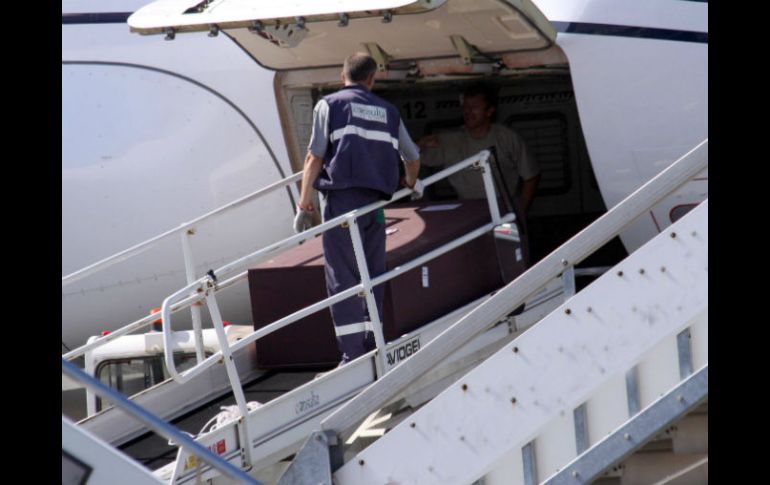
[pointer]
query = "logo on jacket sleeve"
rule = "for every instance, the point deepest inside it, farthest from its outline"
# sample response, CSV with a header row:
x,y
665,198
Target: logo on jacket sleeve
x,y
369,113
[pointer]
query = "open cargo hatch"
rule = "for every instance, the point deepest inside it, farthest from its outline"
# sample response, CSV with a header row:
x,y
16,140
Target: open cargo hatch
x,y
315,33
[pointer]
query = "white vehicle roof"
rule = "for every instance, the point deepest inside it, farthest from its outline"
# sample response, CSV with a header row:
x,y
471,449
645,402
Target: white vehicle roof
x,y
151,343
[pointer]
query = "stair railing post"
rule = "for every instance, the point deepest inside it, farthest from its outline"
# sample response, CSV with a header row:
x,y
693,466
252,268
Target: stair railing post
x,y
371,303
232,374
195,309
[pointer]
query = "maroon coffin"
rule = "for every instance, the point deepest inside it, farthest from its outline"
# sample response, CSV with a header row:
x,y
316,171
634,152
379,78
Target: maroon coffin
x,y
295,279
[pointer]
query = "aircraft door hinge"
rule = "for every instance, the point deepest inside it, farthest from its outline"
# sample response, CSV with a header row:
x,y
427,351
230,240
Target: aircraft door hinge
x,y
466,50
379,55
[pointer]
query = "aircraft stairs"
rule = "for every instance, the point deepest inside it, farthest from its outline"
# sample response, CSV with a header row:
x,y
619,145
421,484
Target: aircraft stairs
x,y
617,376
213,381
308,403
334,405
611,369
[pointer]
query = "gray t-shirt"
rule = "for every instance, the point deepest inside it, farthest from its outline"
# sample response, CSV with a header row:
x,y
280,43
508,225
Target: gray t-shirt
x,y
319,139
457,145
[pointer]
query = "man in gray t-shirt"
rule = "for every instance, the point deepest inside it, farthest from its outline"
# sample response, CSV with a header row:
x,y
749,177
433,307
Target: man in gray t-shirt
x,y
479,133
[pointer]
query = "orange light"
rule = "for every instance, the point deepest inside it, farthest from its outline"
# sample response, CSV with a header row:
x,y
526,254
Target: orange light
x,y
153,311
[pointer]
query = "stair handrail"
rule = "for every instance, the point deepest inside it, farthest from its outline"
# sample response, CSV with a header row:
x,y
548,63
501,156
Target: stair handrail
x,y
207,287
204,287
478,159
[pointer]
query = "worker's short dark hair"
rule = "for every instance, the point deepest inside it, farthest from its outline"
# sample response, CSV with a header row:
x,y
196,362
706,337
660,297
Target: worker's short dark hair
x,y
488,91
358,67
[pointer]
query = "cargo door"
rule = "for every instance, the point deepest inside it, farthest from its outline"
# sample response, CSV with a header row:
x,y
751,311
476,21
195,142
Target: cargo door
x,y
308,34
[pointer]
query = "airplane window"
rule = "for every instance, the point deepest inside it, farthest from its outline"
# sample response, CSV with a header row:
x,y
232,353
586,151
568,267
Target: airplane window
x,y
679,211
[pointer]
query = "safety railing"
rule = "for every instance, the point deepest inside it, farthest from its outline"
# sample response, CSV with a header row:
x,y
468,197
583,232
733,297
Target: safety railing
x,y
186,231
206,288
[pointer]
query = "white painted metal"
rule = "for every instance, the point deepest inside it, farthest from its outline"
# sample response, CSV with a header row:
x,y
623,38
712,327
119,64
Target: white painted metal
x,y
151,343
314,38
695,473
558,364
572,252
173,301
107,466
489,190
169,399
195,310
159,128
568,278
660,14
645,103
183,230
607,408
232,374
223,349
171,13
630,14
368,288
658,372
280,426
555,441
154,423
233,430
136,114
633,434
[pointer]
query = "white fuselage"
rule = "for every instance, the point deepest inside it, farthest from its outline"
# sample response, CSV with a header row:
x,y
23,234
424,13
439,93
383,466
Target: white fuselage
x,y
156,133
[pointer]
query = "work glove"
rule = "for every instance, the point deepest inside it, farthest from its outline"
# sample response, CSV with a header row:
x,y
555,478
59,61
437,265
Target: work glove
x,y
417,190
303,220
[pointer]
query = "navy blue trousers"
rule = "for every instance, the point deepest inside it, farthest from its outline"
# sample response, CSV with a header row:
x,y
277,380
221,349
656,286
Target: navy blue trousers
x,y
342,270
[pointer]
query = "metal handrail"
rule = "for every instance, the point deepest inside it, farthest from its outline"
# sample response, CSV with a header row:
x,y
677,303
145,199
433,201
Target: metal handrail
x,y
156,424
513,294
207,288
144,246
203,287
253,258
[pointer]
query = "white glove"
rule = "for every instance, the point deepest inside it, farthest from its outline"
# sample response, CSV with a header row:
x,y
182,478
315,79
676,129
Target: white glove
x,y
417,190
303,220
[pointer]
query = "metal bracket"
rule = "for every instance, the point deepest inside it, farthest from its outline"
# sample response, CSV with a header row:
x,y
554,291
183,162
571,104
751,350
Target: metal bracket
x,y
285,35
212,279
466,50
314,462
379,55
472,56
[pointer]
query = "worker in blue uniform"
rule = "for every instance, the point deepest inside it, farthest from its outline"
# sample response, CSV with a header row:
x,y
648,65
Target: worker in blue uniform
x,y
353,158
